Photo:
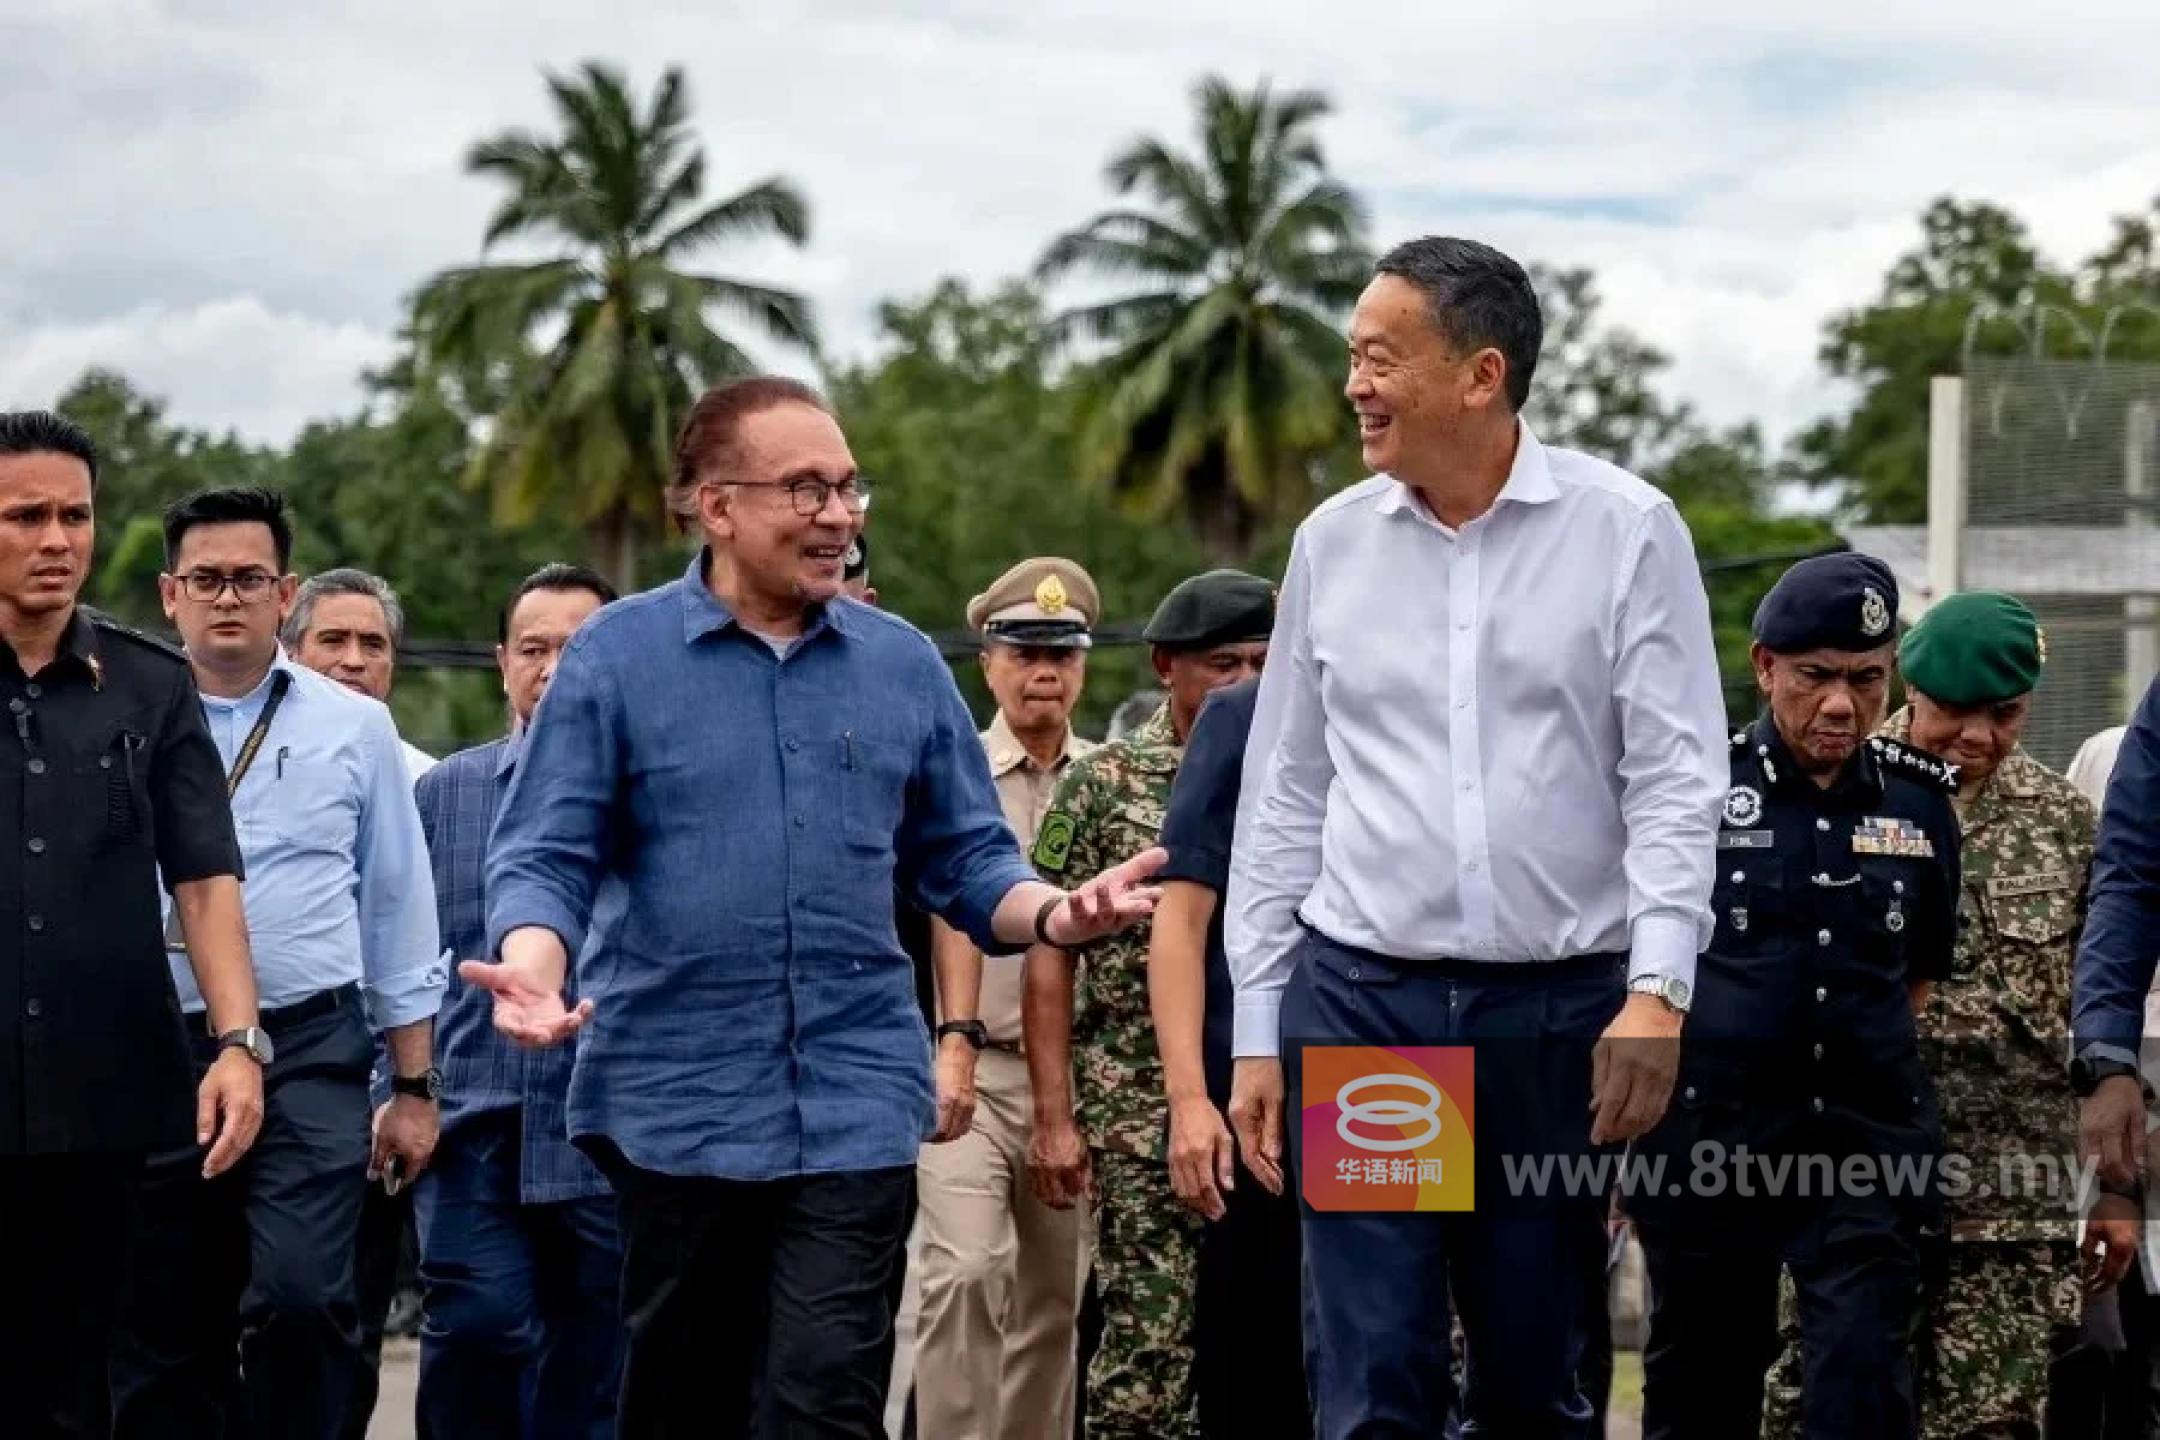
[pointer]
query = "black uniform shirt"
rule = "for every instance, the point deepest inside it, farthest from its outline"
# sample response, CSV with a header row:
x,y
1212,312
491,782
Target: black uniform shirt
x,y
1197,830
1830,901
107,776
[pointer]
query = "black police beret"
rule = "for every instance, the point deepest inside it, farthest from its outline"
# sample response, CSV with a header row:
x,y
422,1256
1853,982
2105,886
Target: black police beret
x,y
1222,607
1831,602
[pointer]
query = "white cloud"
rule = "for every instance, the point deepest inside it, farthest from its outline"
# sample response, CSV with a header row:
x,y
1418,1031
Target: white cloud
x,y
227,364
228,200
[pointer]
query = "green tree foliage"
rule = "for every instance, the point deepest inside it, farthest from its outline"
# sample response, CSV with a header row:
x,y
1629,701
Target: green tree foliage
x,y
1220,389
1970,255
597,350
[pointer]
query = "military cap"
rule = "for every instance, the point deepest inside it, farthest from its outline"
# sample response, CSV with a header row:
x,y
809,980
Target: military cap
x,y
857,559
1046,601
1222,607
1845,602
1974,649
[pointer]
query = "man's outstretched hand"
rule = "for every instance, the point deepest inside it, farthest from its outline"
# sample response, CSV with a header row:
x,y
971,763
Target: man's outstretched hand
x,y
1115,900
527,986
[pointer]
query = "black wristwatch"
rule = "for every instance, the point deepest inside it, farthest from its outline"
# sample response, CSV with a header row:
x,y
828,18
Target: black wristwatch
x,y
977,1033
2087,1071
253,1039
427,1085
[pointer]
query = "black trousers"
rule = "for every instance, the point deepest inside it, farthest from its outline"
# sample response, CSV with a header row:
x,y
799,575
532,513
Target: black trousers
x,y
1857,1263
1249,1340
383,1264
68,1222
252,1273
758,1309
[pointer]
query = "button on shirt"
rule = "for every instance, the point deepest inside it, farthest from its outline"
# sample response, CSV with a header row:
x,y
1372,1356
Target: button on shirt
x,y
730,822
338,888
1024,789
1503,741
106,778
482,1071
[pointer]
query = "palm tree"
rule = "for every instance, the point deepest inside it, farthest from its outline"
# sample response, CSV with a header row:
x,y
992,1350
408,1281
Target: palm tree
x,y
1222,381
596,352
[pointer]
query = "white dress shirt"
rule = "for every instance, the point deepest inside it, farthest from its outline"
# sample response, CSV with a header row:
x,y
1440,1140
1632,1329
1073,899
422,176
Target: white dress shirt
x,y
1502,742
417,761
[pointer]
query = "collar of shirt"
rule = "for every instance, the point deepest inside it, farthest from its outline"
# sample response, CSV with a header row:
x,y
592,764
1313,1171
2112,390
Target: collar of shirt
x,y
506,759
1860,782
705,613
1153,746
1529,482
250,704
1006,753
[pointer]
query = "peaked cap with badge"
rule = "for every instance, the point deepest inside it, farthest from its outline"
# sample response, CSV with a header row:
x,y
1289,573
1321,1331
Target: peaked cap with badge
x,y
1047,601
1846,602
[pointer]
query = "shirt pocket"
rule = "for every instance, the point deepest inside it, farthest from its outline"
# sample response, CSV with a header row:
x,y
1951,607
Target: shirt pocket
x,y
2039,907
308,804
874,774
116,782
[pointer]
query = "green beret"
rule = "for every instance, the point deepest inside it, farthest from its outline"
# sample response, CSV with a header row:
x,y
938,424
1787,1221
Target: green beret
x,y
1222,607
1974,648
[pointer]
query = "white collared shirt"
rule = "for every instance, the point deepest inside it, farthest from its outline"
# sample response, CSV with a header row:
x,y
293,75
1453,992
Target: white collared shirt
x,y
1502,742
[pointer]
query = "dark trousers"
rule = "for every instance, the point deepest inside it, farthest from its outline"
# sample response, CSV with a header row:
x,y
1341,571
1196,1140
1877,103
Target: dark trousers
x,y
523,1337
1378,1286
252,1273
380,1270
2104,1383
895,1298
1857,1268
757,1309
68,1223
1249,1342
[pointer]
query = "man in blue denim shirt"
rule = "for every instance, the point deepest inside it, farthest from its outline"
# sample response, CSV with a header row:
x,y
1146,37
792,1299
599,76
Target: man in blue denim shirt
x,y
725,780
520,1254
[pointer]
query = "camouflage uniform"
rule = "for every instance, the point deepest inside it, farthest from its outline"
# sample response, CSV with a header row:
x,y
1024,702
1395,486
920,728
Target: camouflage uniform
x,y
1109,807
1995,1032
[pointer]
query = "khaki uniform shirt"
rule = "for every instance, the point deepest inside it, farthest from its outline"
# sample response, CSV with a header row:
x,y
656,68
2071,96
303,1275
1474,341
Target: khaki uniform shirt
x,y
1024,789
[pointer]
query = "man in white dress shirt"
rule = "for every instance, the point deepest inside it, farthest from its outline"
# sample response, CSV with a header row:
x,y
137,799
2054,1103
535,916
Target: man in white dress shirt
x,y
1479,808
348,625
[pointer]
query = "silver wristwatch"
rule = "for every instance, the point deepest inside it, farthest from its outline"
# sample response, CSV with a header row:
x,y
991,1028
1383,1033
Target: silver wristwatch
x,y
1672,991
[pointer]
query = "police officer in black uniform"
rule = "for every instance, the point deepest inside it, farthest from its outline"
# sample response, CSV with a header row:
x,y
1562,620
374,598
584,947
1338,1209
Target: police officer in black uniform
x,y
1836,905
107,778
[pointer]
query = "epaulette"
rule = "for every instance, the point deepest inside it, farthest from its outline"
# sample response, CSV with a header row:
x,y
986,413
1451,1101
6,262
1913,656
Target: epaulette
x,y
1916,763
111,626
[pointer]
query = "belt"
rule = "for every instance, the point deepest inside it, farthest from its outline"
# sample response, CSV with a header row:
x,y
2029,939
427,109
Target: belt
x,y
1454,967
326,1002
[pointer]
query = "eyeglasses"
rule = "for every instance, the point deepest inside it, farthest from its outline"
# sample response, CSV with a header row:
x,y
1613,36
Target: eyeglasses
x,y
205,586
811,493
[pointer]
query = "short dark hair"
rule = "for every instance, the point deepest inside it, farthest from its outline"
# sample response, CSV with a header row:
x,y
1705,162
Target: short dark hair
x,y
559,575
42,432
1479,297
234,505
707,437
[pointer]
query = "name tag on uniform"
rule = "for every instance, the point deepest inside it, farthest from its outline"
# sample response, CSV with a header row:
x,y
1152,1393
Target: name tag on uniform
x,y
2037,883
1892,837
1746,839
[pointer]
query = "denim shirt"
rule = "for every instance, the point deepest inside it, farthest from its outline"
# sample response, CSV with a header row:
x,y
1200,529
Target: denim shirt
x,y
729,822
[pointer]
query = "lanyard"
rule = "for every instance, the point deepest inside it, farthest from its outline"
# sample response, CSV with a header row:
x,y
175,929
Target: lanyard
x,y
279,684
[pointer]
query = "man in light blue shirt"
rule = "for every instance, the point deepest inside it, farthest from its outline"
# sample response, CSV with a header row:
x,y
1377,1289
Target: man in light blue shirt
x,y
252,1273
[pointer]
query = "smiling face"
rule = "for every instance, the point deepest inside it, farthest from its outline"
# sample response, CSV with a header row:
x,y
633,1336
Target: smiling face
x,y
47,532
1825,702
783,559
348,639
1413,391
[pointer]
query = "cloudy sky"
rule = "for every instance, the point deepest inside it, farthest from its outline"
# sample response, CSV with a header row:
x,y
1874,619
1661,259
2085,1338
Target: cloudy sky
x,y
227,199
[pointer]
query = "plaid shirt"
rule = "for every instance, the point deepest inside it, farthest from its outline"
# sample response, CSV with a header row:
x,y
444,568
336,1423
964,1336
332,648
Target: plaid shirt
x,y
482,1072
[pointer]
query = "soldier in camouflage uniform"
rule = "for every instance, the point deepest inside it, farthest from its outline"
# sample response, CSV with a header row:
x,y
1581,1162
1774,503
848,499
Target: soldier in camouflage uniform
x,y
2009,1285
1100,1110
